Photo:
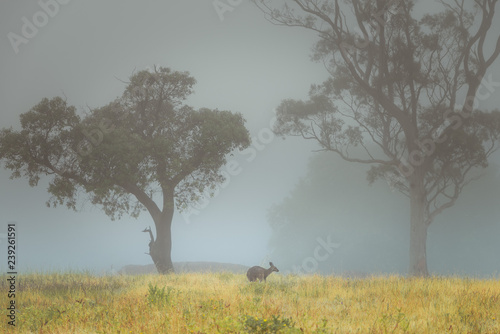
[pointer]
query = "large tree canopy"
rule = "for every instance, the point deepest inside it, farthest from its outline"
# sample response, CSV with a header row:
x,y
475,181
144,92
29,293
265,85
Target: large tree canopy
x,y
408,85
142,151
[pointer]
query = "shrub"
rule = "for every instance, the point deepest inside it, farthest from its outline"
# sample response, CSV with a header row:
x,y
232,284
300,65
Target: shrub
x,y
273,325
159,296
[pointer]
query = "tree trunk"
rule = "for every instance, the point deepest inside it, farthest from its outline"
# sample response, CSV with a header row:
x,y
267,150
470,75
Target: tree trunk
x,y
161,248
418,227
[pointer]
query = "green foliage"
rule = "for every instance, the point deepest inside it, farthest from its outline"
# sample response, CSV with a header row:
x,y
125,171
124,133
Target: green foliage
x,y
273,325
212,305
226,276
390,322
122,154
50,316
46,134
160,297
254,288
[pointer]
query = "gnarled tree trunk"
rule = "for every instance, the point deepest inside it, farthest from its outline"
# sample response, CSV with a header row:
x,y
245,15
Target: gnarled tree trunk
x,y
160,249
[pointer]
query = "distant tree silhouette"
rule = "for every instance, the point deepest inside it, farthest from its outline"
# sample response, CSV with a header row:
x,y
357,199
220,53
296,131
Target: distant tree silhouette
x,y
407,85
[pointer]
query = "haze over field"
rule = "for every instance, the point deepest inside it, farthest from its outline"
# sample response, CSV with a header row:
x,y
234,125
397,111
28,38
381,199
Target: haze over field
x,y
86,52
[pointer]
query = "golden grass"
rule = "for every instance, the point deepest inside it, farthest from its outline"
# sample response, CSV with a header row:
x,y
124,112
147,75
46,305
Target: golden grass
x,y
228,303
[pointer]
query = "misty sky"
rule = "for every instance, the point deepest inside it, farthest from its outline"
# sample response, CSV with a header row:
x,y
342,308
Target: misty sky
x,y
241,62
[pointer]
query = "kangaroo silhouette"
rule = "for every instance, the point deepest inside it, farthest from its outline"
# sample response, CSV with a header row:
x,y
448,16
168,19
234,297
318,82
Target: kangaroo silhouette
x,y
258,273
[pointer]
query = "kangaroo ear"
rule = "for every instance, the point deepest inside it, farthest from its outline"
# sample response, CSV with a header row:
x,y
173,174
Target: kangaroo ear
x,y
271,264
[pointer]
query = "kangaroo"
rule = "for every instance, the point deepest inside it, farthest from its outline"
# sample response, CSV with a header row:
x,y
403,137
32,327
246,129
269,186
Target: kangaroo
x,y
260,273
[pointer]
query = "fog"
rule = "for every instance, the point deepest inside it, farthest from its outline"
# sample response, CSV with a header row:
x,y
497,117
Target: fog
x,y
242,63
346,226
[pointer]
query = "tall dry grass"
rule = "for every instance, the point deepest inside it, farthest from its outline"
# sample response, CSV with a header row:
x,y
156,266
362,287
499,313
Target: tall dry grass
x,y
228,303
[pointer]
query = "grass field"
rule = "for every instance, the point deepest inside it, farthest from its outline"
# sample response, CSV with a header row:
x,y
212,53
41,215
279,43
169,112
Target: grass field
x,y
228,303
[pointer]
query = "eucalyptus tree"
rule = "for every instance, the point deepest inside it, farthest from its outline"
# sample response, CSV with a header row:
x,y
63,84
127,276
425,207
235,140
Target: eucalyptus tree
x,y
145,151
402,96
